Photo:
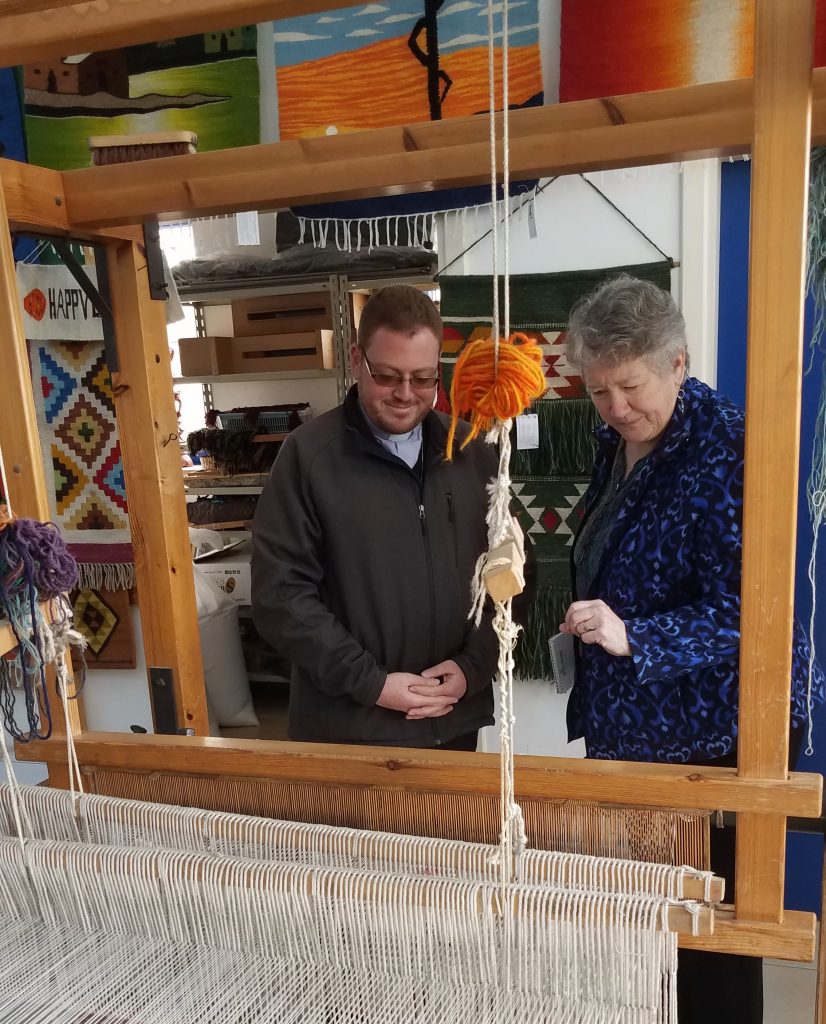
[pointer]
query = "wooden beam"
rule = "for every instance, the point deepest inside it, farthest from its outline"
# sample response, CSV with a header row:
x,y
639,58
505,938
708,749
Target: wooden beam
x,y
20,445
35,202
611,782
780,176
148,430
19,439
794,939
41,29
672,124
820,992
34,197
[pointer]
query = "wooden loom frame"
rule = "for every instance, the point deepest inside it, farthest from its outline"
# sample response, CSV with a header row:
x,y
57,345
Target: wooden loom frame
x,y
775,116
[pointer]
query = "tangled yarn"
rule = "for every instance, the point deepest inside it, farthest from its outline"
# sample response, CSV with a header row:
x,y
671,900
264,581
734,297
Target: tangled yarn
x,y
493,386
34,567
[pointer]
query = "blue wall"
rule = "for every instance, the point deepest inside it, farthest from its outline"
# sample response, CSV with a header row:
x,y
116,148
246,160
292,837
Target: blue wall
x,y
805,852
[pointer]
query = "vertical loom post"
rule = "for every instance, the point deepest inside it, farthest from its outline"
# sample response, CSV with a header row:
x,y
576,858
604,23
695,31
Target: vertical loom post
x,y
20,446
782,126
148,430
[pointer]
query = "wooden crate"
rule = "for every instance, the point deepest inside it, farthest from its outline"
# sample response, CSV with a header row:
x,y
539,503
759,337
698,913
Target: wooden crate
x,y
304,350
282,314
358,300
204,356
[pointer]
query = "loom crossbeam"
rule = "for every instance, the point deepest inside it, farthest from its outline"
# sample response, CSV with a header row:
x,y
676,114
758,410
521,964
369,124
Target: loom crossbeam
x,y
104,823
680,787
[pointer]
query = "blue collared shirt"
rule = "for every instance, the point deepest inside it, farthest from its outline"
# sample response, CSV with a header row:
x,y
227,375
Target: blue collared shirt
x,y
406,446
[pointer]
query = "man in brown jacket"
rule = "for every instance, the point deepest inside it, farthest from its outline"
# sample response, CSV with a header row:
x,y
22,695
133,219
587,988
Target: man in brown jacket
x,y
364,545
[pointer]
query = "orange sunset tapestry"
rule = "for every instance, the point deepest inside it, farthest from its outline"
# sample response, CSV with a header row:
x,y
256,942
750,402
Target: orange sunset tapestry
x,y
397,62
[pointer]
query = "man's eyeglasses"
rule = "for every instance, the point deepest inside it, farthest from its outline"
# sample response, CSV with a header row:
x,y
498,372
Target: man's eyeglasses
x,y
395,380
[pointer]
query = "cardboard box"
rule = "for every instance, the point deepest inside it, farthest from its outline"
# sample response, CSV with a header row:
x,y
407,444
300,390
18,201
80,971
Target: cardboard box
x,y
201,357
231,572
307,350
282,314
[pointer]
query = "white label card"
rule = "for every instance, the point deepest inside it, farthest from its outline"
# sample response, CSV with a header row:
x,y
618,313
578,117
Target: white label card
x,y
563,664
527,431
532,229
246,228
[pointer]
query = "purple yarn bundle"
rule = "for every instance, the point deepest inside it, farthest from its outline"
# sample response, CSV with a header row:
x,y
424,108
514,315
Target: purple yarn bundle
x,y
34,566
36,553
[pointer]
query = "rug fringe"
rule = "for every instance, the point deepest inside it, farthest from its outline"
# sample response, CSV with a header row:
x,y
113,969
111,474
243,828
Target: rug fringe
x,y
106,576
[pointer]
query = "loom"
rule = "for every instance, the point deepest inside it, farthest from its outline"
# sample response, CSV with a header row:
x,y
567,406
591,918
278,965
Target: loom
x,y
775,117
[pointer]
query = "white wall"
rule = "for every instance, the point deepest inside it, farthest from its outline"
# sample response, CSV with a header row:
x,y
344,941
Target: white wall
x,y
676,206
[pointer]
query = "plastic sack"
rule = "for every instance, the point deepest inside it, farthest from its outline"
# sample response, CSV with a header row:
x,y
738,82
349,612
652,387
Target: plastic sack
x,y
227,688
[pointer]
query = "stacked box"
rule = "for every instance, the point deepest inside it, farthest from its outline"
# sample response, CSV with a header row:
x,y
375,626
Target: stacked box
x,y
282,314
201,357
306,350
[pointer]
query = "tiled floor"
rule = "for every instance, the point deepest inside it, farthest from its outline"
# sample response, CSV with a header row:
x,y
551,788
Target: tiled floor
x,y
788,992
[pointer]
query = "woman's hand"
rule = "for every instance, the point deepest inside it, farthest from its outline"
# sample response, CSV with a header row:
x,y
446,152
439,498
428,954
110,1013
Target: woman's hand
x,y
594,623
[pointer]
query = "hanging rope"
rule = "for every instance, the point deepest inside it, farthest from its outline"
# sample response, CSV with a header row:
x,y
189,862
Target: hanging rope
x,y
494,380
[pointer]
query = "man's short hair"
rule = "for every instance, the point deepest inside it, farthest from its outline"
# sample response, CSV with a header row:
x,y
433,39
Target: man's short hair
x,y
398,307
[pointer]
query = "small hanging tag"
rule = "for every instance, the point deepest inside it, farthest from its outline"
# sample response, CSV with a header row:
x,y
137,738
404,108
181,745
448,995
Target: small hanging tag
x,y
532,231
527,431
563,665
246,228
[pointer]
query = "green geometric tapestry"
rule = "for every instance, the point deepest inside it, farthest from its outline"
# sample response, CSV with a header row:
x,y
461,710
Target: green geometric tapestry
x,y
549,482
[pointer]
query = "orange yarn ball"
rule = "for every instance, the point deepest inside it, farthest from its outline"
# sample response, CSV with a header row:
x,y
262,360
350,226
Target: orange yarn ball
x,y
491,390
5,515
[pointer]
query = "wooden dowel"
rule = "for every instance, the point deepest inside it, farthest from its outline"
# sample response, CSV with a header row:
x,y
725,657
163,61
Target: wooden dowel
x,y
370,848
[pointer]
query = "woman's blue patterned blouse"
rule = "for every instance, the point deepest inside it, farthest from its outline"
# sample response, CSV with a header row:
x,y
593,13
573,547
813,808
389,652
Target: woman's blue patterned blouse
x,y
671,571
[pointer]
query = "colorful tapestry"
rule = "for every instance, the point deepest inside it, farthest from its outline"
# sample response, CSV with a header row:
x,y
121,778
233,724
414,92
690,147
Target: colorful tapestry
x,y
104,619
549,482
608,48
396,62
206,83
81,459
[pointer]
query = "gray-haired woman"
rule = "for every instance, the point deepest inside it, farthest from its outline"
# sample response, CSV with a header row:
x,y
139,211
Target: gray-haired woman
x,y
656,575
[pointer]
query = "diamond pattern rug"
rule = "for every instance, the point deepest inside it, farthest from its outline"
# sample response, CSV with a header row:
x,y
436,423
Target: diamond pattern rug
x,y
82,463
104,619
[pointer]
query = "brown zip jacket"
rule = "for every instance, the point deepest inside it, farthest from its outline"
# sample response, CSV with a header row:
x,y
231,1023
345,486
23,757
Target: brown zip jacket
x,y
360,568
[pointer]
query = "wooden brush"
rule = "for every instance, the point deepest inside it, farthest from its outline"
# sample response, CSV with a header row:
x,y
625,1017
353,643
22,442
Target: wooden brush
x,y
122,149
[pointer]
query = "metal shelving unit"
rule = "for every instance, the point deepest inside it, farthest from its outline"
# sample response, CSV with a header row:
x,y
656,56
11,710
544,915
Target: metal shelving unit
x,y
224,294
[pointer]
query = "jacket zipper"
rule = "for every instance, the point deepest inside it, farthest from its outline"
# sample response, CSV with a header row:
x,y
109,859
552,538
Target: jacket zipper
x,y
451,518
432,581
